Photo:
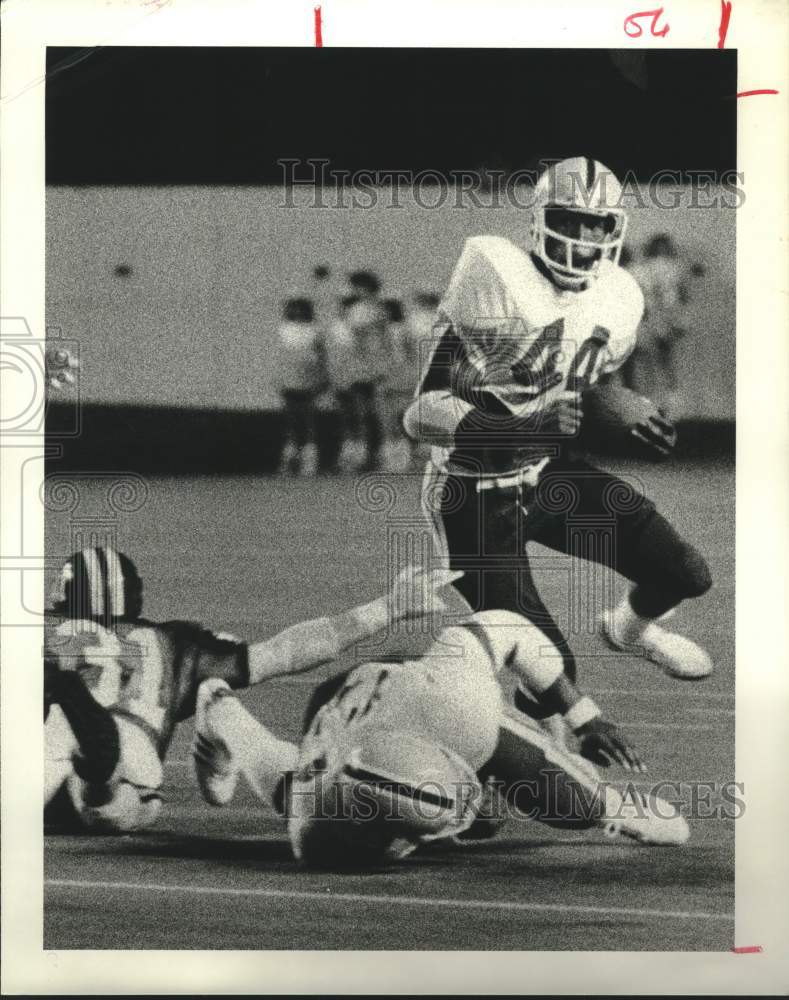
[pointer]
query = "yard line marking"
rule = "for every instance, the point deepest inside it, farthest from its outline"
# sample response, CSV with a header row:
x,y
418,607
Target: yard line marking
x,y
687,726
727,713
641,693
629,692
358,897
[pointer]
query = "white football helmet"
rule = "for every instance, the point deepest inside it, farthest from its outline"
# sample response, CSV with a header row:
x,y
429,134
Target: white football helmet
x,y
588,188
393,789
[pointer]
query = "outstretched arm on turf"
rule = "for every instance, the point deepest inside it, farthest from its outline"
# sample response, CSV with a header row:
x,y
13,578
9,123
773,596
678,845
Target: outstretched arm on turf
x,y
310,644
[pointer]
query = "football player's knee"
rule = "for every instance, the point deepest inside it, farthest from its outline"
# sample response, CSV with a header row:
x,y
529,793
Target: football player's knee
x,y
131,799
693,573
120,808
139,763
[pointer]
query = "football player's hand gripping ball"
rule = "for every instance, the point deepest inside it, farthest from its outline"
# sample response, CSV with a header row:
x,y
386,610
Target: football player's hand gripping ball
x,y
565,414
616,416
656,433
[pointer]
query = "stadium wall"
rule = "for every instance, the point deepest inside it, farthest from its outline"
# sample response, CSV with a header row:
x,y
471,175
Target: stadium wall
x,y
173,293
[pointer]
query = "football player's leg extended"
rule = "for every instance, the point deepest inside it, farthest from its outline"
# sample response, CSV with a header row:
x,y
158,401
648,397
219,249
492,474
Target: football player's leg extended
x,y
637,542
130,799
60,746
666,570
230,742
484,533
539,780
82,745
114,773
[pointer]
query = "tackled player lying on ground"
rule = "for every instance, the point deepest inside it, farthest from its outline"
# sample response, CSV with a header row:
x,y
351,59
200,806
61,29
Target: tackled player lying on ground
x,y
117,684
396,755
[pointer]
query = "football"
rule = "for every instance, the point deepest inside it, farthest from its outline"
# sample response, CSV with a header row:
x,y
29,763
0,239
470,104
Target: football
x,y
611,412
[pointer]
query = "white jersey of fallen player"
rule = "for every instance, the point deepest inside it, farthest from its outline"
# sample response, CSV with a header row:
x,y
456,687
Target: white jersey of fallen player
x,y
451,695
449,701
441,697
523,339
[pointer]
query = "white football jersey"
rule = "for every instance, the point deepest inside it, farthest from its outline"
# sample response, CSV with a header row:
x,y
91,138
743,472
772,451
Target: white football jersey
x,y
507,329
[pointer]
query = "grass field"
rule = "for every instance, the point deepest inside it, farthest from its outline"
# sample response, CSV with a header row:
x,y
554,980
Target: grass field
x,y
254,555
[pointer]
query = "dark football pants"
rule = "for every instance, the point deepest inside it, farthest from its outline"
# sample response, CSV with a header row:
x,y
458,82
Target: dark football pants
x,y
577,510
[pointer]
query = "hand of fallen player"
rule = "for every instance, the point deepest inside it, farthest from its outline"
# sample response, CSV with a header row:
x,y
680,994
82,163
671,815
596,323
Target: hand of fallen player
x,y
603,744
657,433
416,591
61,366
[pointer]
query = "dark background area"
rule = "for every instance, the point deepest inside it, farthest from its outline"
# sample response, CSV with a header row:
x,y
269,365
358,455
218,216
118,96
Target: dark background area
x,y
130,115
225,116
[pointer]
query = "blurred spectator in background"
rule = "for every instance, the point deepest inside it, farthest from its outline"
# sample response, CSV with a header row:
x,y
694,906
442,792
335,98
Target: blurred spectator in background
x,y
665,278
404,336
421,319
328,416
303,375
398,386
358,365
348,369
339,354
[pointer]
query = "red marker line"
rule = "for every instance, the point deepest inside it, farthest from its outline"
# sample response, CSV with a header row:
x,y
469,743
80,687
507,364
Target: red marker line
x,y
750,93
749,950
724,25
318,29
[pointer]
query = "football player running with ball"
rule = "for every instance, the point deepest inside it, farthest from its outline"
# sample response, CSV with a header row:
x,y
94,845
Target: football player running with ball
x,y
523,337
117,684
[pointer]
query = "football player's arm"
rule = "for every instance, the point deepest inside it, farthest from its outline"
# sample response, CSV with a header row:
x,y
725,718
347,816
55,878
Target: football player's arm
x,y
476,418
451,410
598,740
436,411
204,653
310,644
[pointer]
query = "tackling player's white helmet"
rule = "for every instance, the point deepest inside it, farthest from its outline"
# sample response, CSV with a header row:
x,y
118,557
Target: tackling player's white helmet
x,y
394,791
577,220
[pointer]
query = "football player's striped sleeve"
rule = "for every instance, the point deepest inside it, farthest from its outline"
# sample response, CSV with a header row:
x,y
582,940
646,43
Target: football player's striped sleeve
x,y
436,411
202,653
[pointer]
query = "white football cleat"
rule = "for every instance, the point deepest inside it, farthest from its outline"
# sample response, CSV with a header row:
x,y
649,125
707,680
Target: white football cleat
x,y
676,654
215,770
645,818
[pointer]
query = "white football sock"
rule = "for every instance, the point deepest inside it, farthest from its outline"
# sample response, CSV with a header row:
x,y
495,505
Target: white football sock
x,y
627,626
259,755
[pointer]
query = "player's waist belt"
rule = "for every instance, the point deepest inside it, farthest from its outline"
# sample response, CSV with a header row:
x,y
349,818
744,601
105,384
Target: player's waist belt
x,y
526,476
